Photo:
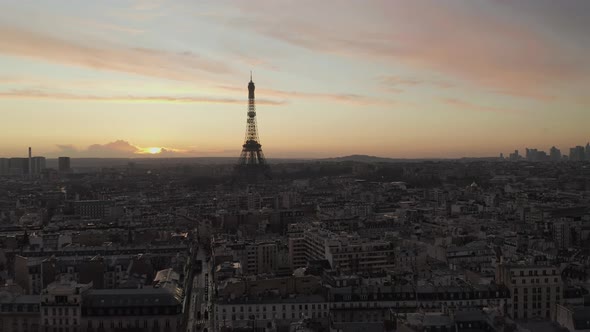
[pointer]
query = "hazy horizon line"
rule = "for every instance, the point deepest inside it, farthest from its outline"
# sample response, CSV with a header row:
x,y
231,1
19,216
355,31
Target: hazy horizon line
x,y
270,158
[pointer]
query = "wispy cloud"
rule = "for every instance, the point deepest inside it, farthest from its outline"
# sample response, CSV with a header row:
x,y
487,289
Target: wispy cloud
x,y
116,147
397,83
185,66
36,94
465,105
345,98
143,10
494,52
67,148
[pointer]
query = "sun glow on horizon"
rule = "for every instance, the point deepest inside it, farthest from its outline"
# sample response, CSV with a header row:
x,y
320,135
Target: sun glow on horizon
x,y
153,150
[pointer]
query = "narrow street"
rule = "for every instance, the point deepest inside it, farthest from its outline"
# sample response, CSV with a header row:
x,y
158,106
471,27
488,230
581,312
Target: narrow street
x,y
198,309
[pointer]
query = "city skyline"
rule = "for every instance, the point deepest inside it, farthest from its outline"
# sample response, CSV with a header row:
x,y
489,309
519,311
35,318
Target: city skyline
x,y
420,79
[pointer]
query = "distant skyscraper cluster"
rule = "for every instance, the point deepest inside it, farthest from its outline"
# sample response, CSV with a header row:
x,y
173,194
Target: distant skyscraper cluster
x,y
577,153
31,167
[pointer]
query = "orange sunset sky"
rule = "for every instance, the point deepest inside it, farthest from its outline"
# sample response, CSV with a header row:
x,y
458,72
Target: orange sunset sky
x,y
393,78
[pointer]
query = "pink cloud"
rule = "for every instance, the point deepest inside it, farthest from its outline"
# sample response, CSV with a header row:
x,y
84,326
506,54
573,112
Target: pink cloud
x,y
104,56
397,84
466,41
465,105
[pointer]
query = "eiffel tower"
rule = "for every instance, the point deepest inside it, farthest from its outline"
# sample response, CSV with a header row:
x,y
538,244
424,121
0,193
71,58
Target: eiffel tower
x,y
252,166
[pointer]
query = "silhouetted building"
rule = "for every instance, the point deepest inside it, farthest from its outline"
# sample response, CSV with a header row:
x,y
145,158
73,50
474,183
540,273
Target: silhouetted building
x,y
578,153
554,154
535,155
18,166
4,166
63,164
37,165
514,156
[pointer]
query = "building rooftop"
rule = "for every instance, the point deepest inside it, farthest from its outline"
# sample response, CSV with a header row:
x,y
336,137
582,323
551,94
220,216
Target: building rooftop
x,y
132,297
315,298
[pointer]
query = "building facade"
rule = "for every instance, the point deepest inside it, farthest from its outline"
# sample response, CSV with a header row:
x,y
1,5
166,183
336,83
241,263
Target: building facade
x,y
535,289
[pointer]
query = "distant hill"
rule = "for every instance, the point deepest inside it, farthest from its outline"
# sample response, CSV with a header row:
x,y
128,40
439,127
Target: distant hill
x,y
361,158
364,159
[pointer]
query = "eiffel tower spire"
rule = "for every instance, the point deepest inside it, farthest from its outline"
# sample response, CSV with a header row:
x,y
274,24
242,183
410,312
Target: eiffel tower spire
x,y
252,165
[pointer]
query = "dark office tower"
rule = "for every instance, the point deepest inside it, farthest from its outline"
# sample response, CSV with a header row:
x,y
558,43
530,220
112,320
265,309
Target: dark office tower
x,y
252,165
577,153
63,164
37,165
587,151
18,166
30,164
554,154
4,166
514,156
